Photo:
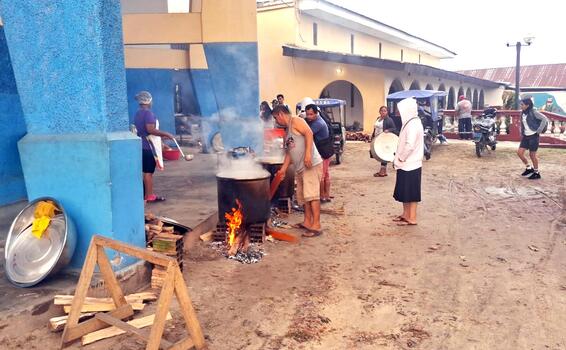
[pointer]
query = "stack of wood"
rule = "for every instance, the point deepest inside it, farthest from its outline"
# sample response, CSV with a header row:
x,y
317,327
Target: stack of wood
x,y
358,136
93,305
163,239
168,244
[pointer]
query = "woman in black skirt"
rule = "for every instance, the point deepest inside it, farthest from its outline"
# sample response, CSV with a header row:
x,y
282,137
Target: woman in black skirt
x,y
408,162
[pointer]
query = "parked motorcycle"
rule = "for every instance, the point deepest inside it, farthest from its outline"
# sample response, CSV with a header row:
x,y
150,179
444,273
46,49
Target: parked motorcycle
x,y
484,131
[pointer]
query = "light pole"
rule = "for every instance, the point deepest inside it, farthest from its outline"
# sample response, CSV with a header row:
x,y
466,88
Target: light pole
x,y
527,42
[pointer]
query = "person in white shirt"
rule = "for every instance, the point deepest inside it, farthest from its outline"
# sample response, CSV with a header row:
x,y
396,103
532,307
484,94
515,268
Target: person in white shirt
x,y
408,162
464,114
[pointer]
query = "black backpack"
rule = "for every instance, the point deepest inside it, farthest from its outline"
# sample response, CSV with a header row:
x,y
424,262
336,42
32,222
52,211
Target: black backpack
x,y
326,147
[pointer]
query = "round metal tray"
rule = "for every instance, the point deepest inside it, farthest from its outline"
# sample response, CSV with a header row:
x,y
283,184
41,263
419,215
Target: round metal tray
x,y
29,260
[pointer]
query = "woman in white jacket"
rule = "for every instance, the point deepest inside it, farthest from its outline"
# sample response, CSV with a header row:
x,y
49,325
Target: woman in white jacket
x,y
408,162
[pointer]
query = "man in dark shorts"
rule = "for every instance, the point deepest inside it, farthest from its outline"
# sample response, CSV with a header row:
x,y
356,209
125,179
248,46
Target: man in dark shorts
x,y
532,125
145,122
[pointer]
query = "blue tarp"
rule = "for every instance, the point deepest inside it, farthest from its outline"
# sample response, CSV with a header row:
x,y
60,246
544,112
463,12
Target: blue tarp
x,y
418,94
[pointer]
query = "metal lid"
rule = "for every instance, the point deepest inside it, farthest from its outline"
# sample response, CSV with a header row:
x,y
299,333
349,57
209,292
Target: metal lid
x,y
29,259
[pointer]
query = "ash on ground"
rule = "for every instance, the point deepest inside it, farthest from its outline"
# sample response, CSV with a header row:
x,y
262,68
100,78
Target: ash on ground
x,y
254,254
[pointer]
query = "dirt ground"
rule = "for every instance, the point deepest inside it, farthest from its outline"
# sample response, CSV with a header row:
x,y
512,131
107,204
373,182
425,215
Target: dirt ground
x,y
484,268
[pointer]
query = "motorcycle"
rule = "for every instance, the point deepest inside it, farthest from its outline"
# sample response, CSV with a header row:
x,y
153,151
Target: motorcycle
x,y
484,131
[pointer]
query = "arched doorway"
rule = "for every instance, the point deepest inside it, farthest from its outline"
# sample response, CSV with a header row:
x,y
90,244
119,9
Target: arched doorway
x,y
429,87
460,92
396,86
481,100
475,101
345,90
451,99
469,94
415,85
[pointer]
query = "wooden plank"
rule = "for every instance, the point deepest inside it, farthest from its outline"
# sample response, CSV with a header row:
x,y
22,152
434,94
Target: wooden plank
x,y
184,344
186,306
80,292
109,278
103,307
121,327
140,253
57,324
94,324
130,298
162,308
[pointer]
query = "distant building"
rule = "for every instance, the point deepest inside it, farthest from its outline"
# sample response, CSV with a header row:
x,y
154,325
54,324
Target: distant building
x,y
546,83
318,49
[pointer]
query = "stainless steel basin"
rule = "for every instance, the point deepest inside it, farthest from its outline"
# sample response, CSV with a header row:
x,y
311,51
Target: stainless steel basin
x,y
28,259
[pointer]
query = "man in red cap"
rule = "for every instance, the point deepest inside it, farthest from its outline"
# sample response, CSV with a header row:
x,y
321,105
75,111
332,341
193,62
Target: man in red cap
x,y
464,115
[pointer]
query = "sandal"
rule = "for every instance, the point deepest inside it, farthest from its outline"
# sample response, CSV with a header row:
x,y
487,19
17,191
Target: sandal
x,y
399,219
406,223
299,226
312,233
154,198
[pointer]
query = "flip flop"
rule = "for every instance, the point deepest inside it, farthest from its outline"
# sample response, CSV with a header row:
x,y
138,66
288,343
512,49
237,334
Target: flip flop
x,y
312,233
406,223
153,198
399,219
299,226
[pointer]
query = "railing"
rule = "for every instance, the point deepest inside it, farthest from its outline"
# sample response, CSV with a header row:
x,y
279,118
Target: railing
x,y
508,127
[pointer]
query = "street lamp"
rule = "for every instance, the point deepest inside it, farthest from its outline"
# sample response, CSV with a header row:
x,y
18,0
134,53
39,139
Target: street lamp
x,y
527,42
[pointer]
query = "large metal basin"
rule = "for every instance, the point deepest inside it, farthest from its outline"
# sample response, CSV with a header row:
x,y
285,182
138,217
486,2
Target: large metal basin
x,y
30,260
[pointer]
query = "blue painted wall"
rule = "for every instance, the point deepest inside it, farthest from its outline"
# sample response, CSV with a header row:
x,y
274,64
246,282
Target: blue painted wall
x,y
77,87
12,186
159,82
233,69
189,102
204,92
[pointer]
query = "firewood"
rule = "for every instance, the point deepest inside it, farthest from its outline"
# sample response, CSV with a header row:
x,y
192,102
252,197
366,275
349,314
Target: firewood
x,y
153,227
149,216
58,323
281,236
131,298
168,229
207,237
102,307
114,331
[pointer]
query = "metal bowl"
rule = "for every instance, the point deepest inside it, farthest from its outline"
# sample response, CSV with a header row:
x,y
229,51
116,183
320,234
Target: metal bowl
x,y
30,260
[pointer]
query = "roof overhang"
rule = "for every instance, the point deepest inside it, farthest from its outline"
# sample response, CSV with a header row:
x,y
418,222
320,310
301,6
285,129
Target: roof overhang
x,y
413,68
346,18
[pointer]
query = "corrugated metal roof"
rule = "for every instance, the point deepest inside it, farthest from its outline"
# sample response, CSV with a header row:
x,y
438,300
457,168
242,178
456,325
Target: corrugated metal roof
x,y
542,75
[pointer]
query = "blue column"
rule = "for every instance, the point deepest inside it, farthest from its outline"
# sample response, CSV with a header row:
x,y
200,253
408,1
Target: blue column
x,y
68,63
12,186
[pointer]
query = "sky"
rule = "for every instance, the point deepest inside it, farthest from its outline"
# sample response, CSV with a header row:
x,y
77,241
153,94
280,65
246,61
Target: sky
x,y
477,30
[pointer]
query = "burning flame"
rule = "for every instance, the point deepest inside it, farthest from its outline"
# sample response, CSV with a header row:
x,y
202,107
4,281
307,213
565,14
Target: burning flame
x,y
234,221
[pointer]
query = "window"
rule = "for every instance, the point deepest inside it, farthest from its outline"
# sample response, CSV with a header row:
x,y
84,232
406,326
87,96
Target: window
x,y
352,43
379,50
401,55
315,34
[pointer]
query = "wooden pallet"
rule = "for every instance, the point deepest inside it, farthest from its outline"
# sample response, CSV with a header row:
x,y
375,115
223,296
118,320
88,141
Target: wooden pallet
x,y
174,284
256,231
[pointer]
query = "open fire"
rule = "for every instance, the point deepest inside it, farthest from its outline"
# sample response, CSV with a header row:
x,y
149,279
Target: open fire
x,y
238,237
233,222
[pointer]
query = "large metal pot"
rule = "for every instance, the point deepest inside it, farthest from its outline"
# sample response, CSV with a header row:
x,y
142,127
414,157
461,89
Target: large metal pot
x,y
252,193
287,186
28,259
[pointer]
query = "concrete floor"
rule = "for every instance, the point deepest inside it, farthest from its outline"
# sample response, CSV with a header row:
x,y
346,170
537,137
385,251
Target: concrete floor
x,y
190,189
